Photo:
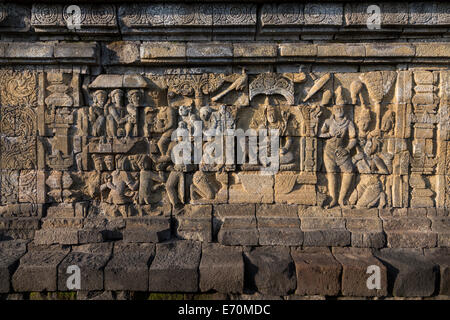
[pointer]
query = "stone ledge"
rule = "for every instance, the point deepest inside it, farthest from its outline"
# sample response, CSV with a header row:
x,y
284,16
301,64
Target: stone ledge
x,y
186,266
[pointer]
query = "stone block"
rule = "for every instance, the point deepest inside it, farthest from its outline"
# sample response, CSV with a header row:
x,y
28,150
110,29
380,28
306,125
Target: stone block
x,y
411,239
432,50
270,270
298,50
209,50
441,257
341,50
121,52
368,239
318,273
355,263
147,229
56,236
91,259
235,224
162,50
390,50
221,269
410,274
77,50
128,268
10,253
327,238
175,267
278,224
29,50
407,224
38,269
195,223
245,50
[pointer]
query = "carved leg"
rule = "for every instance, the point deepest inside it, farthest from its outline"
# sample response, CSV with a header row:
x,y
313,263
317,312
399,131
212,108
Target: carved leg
x,y
332,189
345,186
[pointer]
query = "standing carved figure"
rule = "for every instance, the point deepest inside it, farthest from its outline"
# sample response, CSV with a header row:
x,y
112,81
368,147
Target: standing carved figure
x,y
116,114
97,113
341,139
134,101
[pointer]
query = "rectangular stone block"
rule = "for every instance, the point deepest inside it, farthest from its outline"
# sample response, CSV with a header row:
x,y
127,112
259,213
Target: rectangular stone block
x,y
38,269
441,257
77,50
175,267
91,259
410,274
10,253
29,50
128,268
355,265
318,212
341,50
56,236
244,50
147,229
368,239
162,50
318,273
432,49
235,224
195,223
270,270
221,269
407,224
298,50
209,50
390,50
309,224
327,238
278,224
411,239
363,224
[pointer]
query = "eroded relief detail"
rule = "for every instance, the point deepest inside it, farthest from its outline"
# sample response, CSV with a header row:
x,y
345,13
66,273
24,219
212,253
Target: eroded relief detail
x,y
107,144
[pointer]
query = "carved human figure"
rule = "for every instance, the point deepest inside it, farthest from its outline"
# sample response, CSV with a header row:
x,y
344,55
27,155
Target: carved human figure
x,y
134,101
222,120
97,113
146,180
120,184
175,187
188,117
116,115
165,124
205,116
341,139
109,162
95,177
369,191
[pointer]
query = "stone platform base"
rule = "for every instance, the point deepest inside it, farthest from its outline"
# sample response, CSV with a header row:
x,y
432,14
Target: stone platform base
x,y
183,269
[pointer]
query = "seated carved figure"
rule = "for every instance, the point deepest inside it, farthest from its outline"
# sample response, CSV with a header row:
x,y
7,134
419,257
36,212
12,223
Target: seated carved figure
x,y
369,191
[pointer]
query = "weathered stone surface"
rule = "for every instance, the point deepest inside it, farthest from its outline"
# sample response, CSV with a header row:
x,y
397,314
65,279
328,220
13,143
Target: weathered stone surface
x,y
410,273
270,270
91,259
175,267
278,225
10,253
441,257
128,267
236,224
195,223
355,263
411,239
221,269
56,236
147,229
323,238
318,273
38,269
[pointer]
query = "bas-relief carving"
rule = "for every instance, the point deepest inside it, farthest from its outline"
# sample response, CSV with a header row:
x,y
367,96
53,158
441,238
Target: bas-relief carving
x,y
346,139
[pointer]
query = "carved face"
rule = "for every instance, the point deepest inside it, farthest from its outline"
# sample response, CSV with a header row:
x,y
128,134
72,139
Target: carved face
x,y
183,111
98,163
271,115
99,98
116,97
109,162
205,114
134,97
338,111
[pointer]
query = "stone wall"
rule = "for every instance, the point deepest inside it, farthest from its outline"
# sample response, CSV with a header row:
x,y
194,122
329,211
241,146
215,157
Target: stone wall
x,y
356,170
